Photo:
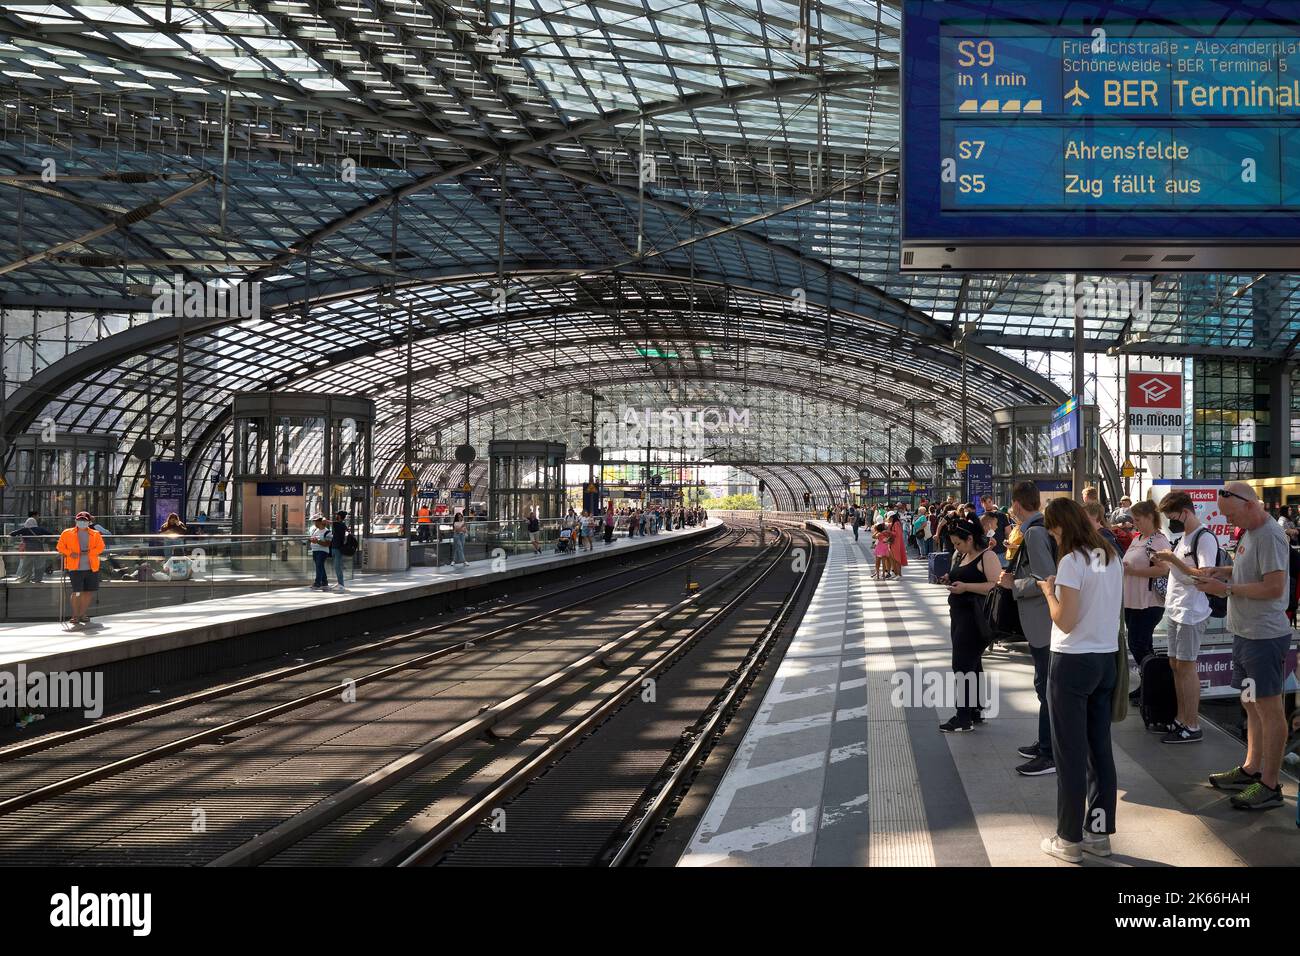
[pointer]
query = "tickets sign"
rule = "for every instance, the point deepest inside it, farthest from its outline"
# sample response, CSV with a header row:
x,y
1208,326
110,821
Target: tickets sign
x,y
1155,403
1205,498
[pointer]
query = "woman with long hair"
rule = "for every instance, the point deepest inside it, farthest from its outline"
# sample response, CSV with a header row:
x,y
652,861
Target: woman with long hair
x,y
897,544
1084,597
1145,581
975,570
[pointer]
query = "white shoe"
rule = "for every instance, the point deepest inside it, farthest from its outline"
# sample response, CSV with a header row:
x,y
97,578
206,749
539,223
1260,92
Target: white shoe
x,y
1098,844
339,589
1062,849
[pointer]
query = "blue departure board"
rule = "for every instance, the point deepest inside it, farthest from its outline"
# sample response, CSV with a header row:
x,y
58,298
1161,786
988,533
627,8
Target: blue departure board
x,y
1138,135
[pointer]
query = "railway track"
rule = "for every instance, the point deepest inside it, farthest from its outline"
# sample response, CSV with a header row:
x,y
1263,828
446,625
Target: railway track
x,y
571,772
146,763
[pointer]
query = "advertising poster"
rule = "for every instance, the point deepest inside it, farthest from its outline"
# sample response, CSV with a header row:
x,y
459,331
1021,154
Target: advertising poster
x,y
1204,493
1155,403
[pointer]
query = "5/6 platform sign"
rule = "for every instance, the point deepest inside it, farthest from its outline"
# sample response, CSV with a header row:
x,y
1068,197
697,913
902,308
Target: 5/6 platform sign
x,y
1152,135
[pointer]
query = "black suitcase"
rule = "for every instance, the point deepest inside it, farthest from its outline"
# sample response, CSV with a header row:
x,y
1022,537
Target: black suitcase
x,y
940,565
1157,698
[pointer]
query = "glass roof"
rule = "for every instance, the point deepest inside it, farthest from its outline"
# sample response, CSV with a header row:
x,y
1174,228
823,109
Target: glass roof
x,y
442,150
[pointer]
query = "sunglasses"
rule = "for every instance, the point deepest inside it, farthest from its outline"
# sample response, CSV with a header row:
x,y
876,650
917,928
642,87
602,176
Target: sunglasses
x,y
1233,494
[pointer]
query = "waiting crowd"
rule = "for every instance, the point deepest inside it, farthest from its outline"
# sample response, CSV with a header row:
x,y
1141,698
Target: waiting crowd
x,y
1058,576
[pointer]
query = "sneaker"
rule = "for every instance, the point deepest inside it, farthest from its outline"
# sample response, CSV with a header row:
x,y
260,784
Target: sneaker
x,y
1181,735
1234,779
1258,796
1028,751
1159,728
1062,849
1098,844
955,725
977,717
1038,767
338,589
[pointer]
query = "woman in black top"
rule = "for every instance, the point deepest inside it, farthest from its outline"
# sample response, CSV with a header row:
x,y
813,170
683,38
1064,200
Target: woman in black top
x,y
974,573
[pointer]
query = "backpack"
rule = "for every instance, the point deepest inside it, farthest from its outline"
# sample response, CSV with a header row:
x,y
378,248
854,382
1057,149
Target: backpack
x,y
1218,603
349,545
1022,555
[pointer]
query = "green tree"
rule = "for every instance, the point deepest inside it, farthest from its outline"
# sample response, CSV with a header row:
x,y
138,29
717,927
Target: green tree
x,y
745,502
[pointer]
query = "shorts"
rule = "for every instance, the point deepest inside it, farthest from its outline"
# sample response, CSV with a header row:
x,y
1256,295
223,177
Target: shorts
x,y
534,536
84,581
1185,640
1261,661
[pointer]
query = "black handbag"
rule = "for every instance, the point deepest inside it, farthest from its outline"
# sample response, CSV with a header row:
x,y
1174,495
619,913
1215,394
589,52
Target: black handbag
x,y
1002,615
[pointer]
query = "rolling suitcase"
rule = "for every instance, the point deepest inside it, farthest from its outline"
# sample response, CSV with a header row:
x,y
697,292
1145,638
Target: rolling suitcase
x,y
940,565
1157,699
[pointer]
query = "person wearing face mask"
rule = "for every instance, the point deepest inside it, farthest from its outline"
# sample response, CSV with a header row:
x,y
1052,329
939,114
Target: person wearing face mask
x,y
81,547
1187,609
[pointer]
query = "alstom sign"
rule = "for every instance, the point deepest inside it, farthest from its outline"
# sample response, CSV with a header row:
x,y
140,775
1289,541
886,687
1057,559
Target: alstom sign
x,y
1155,403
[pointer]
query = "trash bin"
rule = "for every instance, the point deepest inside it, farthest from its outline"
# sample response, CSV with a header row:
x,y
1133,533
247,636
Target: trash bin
x,y
385,554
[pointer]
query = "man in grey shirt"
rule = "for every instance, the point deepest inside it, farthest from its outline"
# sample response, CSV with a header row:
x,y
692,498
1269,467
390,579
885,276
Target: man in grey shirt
x,y
1257,600
1034,561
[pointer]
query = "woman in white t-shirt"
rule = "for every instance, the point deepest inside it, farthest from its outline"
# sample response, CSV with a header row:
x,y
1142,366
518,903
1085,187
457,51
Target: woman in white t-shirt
x,y
1084,597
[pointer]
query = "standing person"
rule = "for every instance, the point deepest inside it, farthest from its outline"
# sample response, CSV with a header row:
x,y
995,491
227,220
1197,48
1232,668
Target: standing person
x,y
989,504
584,531
319,542
81,546
1124,512
534,530
1082,596
609,523
1144,602
31,566
974,574
424,523
897,545
1187,608
857,523
921,531
1261,636
881,551
338,541
1034,562
1097,515
458,539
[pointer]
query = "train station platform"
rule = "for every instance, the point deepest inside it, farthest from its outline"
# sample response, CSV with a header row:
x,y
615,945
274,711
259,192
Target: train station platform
x,y
831,773
176,635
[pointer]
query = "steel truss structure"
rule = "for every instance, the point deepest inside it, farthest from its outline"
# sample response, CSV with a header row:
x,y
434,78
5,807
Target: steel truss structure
x,y
658,199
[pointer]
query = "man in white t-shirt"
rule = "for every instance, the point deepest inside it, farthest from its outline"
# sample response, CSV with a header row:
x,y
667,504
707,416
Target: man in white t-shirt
x,y
1187,610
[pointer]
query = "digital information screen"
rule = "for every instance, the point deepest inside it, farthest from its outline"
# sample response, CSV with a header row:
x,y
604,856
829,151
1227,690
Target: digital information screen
x,y
1068,135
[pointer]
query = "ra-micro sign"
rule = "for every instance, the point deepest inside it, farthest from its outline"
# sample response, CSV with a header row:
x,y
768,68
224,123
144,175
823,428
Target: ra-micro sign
x,y
1078,136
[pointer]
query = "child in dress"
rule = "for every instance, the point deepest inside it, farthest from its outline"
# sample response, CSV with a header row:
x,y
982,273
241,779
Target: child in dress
x,y
882,537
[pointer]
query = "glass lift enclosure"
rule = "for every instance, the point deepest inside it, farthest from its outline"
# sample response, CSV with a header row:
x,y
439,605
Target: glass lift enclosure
x,y
71,473
524,474
1022,450
297,454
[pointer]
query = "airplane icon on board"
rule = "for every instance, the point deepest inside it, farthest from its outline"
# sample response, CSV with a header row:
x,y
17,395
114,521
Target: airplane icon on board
x,y
1077,95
